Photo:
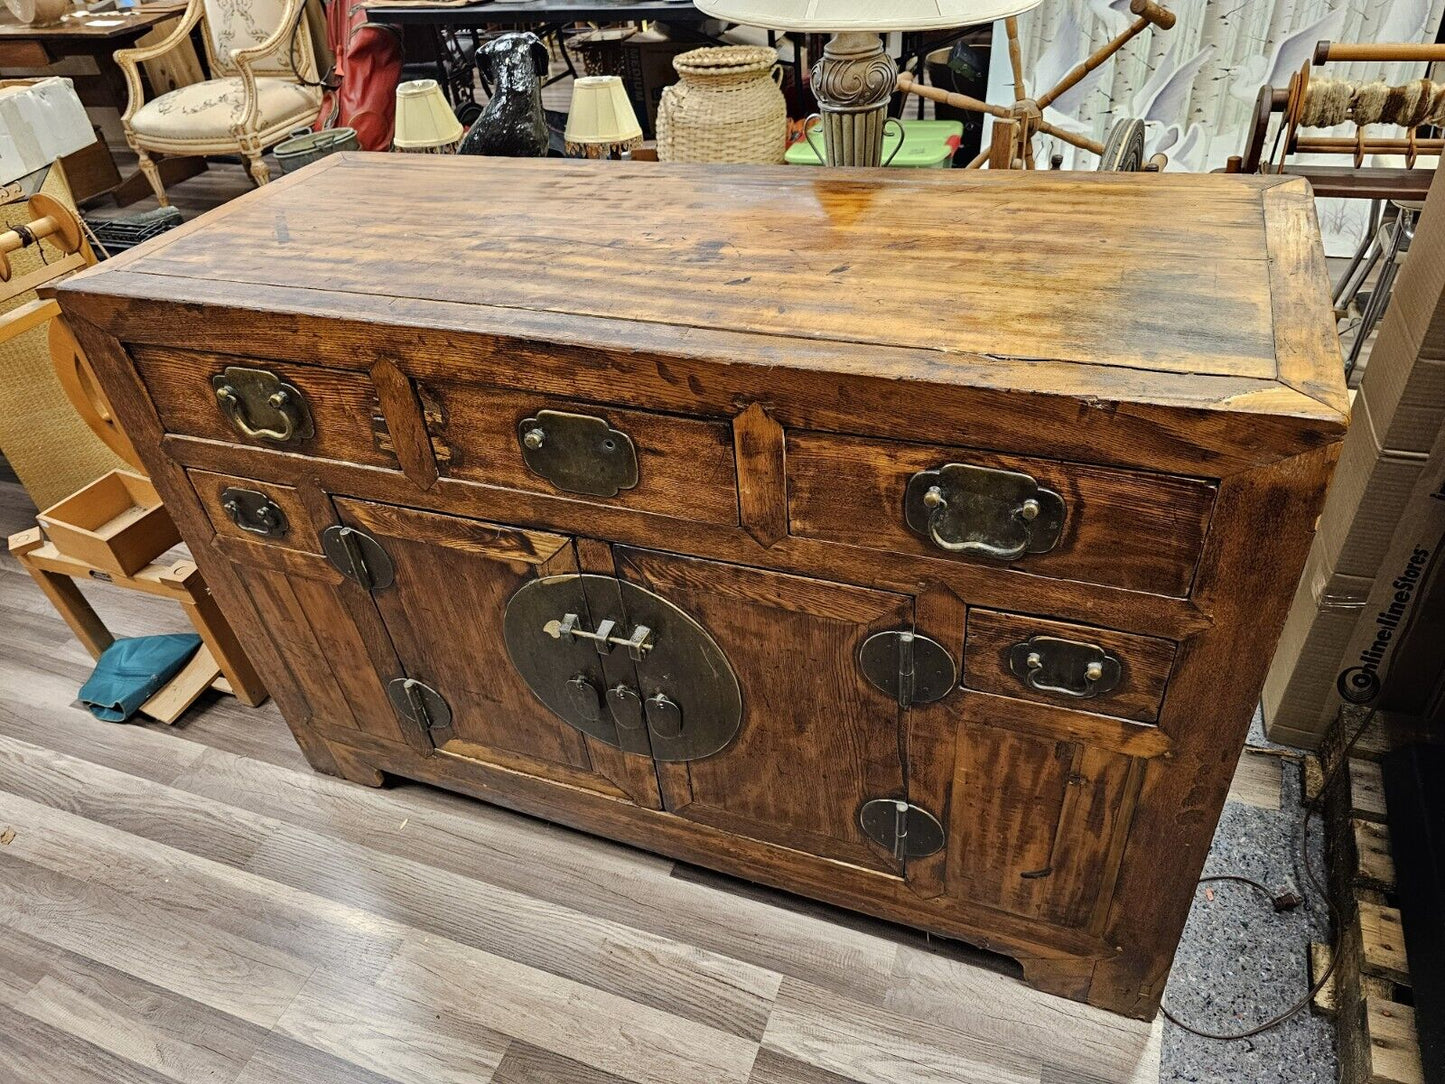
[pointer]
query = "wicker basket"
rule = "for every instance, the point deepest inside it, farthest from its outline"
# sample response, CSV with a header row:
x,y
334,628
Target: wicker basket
x,y
727,108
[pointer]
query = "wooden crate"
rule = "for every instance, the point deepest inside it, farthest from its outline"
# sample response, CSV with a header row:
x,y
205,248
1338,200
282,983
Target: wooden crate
x,y
1369,992
117,523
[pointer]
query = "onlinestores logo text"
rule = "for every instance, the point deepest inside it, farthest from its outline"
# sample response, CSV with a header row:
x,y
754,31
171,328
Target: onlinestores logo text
x,y
1361,684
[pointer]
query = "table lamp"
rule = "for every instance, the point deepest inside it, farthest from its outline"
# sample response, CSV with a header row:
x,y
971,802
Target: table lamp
x,y
855,77
425,124
601,122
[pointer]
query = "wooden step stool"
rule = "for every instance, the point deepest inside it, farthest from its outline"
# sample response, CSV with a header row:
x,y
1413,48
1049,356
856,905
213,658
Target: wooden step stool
x,y
219,663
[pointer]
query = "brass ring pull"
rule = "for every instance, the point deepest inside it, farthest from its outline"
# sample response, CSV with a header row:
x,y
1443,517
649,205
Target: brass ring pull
x,y
938,503
280,401
1093,673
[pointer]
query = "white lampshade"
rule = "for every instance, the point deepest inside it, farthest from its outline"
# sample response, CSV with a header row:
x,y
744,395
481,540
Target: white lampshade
x,y
601,115
827,16
424,121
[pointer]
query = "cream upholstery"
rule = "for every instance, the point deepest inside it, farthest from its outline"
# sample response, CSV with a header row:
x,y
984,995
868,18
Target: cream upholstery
x,y
246,24
211,110
263,61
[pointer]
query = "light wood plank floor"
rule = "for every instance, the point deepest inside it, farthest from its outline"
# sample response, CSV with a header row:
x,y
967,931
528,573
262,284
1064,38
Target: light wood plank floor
x,y
196,905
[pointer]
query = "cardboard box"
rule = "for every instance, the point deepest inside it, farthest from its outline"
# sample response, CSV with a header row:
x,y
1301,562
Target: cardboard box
x,y
1405,391
1299,692
1419,293
1364,668
1370,489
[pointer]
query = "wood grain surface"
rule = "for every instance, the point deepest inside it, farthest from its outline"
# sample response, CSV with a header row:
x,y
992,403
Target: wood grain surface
x,y
831,256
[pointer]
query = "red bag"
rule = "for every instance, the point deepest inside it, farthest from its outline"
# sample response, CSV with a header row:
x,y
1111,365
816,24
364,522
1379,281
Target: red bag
x,y
361,86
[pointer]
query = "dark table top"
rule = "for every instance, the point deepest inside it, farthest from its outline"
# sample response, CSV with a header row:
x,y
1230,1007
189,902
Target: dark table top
x,y
538,12
85,26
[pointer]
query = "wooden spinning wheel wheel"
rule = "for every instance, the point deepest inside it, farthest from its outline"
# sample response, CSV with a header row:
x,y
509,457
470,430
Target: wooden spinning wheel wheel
x,y
1013,147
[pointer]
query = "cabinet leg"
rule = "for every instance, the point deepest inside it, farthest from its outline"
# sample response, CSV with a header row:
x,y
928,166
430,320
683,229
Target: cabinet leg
x,y
353,767
1065,976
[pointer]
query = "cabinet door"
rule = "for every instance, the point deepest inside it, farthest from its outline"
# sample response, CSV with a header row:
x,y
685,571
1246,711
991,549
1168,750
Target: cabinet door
x,y
452,580
338,657
816,739
1038,823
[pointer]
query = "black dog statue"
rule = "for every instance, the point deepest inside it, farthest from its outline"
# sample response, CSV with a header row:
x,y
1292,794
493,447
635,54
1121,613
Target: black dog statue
x,y
512,125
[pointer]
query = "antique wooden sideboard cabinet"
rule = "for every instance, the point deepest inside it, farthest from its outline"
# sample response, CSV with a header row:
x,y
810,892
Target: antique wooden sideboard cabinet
x,y
913,541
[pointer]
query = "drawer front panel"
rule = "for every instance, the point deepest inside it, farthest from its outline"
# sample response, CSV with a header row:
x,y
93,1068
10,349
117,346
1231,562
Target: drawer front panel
x,y
1037,823
684,467
1120,528
341,406
288,525
1048,661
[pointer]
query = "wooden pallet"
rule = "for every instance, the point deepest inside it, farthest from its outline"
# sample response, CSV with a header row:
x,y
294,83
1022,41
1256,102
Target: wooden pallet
x,y
1369,993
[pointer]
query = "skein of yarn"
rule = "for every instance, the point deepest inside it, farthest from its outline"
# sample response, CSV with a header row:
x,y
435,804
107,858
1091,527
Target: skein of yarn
x,y
1334,101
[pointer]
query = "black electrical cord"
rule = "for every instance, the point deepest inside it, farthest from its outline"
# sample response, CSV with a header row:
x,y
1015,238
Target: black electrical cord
x,y
1282,903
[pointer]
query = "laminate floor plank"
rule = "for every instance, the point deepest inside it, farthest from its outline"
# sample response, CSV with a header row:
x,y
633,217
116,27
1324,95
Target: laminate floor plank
x,y
32,1052
23,962
637,1043
242,978
77,733
989,1006
134,804
526,1064
672,976
873,1045
176,882
302,894
770,1067
282,1060
174,1037
387,1033
554,864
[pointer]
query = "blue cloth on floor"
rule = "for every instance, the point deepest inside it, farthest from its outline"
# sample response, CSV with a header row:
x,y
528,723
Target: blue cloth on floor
x,y
129,672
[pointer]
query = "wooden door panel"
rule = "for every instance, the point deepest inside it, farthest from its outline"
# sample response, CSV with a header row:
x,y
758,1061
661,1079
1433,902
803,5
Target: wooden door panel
x,y
816,740
339,670
445,610
1037,823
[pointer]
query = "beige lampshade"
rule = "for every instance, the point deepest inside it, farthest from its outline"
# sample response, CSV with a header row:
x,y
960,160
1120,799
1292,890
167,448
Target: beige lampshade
x,y
424,121
601,116
826,16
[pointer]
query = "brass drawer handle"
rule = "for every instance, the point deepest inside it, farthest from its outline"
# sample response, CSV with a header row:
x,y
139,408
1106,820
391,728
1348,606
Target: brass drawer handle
x,y
933,498
1059,667
983,512
254,512
246,394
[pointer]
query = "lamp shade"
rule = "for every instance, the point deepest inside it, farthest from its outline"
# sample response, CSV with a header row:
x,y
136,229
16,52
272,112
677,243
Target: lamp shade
x,y
826,16
601,114
424,121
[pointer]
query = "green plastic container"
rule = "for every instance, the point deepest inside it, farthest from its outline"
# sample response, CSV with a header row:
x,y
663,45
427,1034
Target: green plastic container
x,y
929,144
305,147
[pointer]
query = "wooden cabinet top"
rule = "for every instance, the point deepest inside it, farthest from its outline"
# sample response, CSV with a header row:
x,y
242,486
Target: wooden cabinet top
x,y
1179,290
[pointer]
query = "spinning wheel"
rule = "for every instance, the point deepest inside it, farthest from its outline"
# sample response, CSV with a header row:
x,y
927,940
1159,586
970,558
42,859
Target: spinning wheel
x,y
1323,103
1123,149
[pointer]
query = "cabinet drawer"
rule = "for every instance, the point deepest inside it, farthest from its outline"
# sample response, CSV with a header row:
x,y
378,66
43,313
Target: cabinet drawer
x,y
256,511
329,413
1120,528
662,463
1052,662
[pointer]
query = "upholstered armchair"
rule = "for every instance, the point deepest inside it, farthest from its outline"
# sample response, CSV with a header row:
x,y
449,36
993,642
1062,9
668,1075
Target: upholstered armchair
x,y
264,69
